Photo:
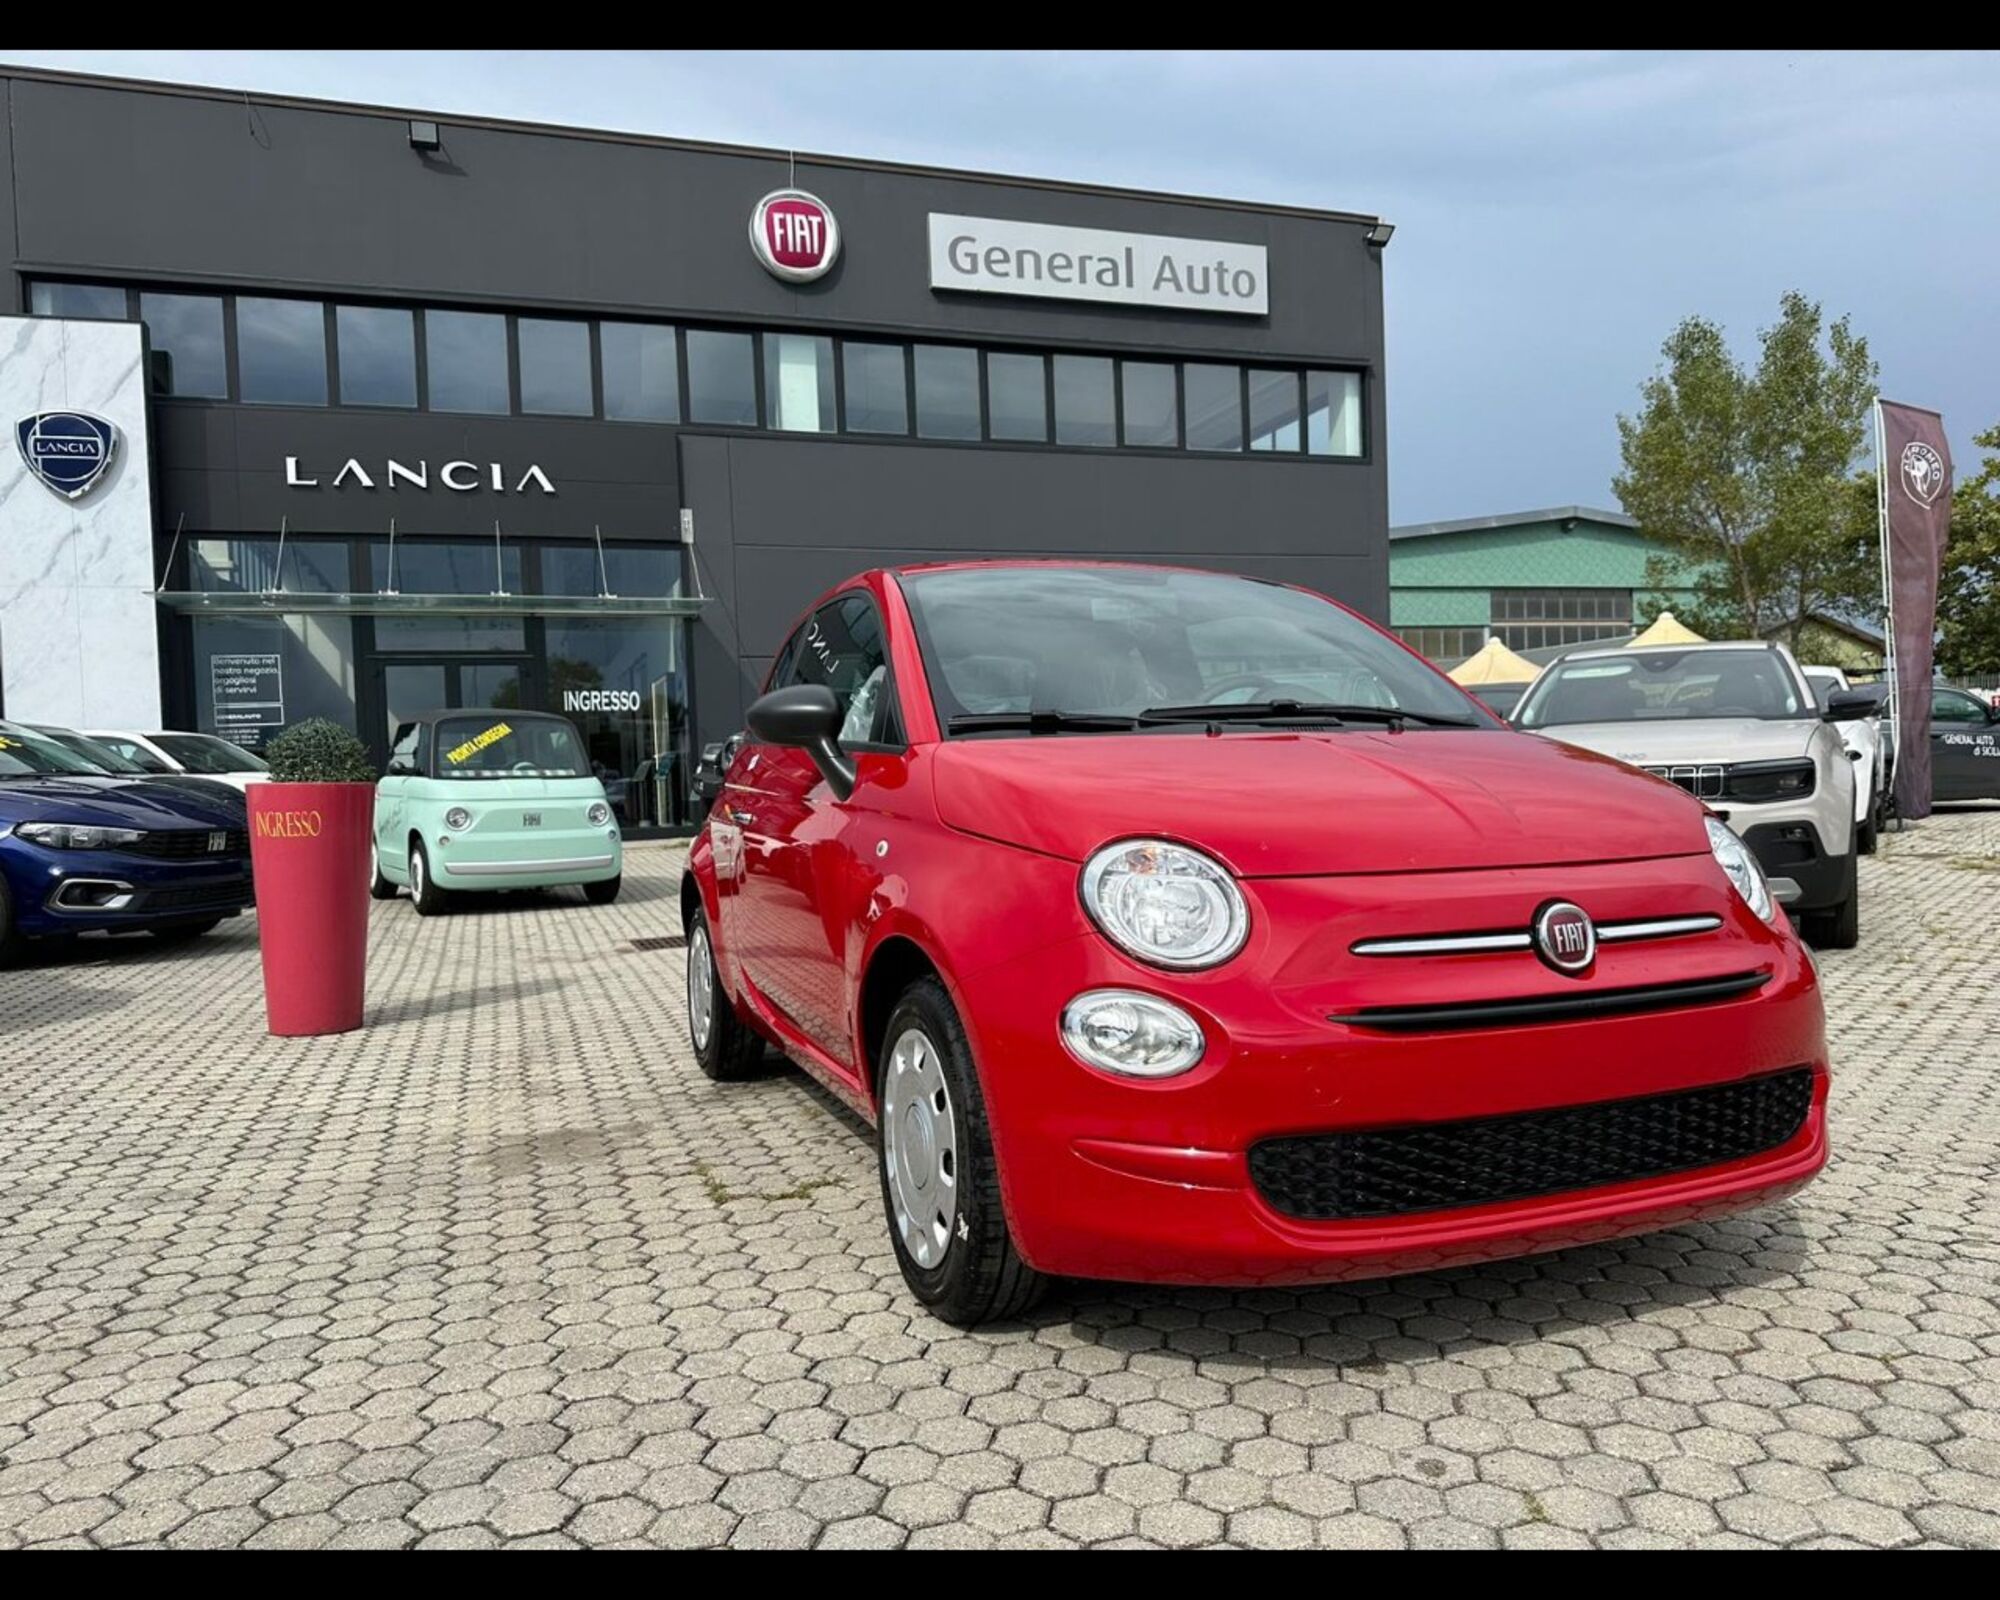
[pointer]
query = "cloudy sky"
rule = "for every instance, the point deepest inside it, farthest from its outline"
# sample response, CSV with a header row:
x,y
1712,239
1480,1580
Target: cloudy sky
x,y
1556,214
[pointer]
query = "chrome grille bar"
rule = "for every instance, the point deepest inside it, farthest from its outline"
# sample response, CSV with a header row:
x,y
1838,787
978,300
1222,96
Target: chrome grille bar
x,y
1459,944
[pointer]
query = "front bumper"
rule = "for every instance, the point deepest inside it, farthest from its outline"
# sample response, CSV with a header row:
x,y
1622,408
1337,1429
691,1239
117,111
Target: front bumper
x,y
1795,849
489,859
95,891
1152,1181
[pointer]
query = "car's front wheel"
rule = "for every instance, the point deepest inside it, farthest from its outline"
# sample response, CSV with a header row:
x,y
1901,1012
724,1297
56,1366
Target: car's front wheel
x,y
940,1183
425,895
602,894
379,886
725,1046
10,935
1838,927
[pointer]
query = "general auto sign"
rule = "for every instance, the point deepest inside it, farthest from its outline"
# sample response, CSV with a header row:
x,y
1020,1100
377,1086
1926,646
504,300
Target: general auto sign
x,y
985,255
795,235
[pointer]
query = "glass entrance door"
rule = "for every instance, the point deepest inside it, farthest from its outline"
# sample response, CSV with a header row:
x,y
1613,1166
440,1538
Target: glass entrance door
x,y
406,689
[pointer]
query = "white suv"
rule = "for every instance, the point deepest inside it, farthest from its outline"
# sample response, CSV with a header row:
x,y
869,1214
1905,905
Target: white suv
x,y
1863,738
1735,725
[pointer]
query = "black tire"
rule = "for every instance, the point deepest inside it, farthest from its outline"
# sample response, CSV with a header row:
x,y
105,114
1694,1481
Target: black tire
x,y
425,895
379,887
602,894
11,941
1838,927
1868,832
980,1276
729,1048
182,932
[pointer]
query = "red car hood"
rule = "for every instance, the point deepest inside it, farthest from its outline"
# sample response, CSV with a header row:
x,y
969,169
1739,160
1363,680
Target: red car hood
x,y
1298,804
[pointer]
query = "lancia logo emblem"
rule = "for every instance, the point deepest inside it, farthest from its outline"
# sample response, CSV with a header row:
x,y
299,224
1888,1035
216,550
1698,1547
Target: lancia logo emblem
x,y
1923,472
67,450
1565,938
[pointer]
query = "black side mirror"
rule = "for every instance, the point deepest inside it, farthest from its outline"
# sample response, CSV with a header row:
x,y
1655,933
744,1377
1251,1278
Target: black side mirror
x,y
1849,705
806,717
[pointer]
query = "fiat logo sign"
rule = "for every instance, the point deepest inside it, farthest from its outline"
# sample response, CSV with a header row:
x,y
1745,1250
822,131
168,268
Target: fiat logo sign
x,y
795,235
1565,937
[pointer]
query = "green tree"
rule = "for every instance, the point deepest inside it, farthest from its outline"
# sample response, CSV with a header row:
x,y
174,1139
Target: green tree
x,y
1969,586
1746,477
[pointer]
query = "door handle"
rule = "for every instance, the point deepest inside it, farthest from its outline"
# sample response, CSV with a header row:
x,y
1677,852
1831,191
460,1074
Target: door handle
x,y
740,817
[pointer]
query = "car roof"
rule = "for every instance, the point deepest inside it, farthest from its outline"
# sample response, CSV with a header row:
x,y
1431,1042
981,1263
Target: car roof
x,y
975,563
1707,646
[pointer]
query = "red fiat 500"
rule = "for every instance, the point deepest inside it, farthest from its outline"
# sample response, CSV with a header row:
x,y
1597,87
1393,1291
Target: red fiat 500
x,y
1184,928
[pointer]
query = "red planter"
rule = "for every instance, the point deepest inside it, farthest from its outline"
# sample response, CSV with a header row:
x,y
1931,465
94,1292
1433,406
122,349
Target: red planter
x,y
309,849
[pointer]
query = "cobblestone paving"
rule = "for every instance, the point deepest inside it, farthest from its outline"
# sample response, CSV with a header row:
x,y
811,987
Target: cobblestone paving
x,y
505,1268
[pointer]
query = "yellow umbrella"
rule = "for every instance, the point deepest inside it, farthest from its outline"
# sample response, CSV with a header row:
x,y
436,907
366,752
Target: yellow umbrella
x,y
1494,663
1667,629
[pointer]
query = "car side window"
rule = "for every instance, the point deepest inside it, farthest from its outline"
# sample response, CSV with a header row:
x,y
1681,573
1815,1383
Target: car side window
x,y
842,646
140,754
403,753
1954,705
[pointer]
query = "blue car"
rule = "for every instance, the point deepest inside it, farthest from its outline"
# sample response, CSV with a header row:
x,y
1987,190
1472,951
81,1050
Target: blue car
x,y
86,852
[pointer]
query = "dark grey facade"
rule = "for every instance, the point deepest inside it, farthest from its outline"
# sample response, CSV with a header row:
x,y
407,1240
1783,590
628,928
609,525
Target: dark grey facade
x,y
189,190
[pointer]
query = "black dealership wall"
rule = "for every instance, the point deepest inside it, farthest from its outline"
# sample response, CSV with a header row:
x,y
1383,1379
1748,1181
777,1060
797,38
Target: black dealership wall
x,y
777,520
140,183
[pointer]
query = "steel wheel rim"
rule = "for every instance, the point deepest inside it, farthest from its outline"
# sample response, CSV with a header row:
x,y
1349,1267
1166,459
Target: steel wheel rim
x,y
417,873
701,987
920,1148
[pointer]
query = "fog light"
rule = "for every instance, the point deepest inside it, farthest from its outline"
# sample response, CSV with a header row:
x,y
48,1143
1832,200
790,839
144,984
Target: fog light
x,y
1134,1035
598,814
458,819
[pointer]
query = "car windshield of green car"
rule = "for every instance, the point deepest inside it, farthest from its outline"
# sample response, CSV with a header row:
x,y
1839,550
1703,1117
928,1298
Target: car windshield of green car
x,y
31,755
496,746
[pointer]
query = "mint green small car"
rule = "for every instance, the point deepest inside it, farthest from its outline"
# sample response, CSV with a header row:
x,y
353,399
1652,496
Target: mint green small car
x,y
492,800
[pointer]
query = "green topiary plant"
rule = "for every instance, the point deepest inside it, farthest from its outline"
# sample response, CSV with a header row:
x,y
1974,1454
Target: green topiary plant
x,y
319,751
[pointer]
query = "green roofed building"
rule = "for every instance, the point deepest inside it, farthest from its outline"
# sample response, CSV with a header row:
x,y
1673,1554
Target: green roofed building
x,y
1541,581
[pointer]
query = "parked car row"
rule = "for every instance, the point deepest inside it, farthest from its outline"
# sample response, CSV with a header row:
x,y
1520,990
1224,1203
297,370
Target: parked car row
x,y
121,832
88,846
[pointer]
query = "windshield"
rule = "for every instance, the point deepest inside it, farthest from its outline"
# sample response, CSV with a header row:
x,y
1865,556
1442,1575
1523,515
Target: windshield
x,y
1121,641
100,756
33,755
203,752
493,747
1662,686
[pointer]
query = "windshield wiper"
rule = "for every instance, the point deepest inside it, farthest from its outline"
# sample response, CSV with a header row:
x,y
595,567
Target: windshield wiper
x,y
1300,711
1041,722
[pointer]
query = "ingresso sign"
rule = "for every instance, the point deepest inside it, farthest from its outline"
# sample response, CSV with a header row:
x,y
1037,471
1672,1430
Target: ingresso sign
x,y
985,255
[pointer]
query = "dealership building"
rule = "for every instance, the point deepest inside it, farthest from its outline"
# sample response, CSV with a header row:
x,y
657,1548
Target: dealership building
x,y
336,410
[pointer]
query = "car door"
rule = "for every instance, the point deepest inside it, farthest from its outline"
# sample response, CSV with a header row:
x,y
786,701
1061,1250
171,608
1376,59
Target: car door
x,y
809,860
1965,747
391,797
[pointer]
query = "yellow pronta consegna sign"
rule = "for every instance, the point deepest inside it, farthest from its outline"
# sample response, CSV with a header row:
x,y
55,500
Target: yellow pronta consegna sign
x,y
458,754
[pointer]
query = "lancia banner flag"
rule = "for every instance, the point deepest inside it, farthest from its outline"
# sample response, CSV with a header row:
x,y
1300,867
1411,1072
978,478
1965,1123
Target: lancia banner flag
x,y
1914,468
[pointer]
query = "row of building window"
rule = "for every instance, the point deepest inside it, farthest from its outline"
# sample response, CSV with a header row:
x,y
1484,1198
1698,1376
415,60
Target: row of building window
x,y
1532,619
266,350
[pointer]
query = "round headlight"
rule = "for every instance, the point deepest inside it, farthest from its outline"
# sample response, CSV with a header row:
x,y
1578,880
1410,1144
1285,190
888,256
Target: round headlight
x,y
1165,903
1133,1035
1734,857
598,814
458,819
